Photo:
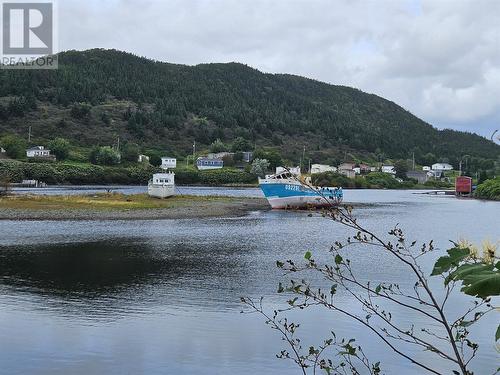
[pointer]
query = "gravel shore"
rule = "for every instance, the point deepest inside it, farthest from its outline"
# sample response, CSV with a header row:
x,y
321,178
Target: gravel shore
x,y
199,209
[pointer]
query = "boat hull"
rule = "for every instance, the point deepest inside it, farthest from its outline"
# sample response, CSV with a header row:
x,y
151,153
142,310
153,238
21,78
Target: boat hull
x,y
295,195
161,191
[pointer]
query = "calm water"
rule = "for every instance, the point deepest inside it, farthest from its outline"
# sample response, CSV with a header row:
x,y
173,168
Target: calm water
x,y
161,297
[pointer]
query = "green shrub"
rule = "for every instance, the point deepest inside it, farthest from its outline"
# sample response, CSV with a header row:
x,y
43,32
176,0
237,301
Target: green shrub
x,y
382,180
332,179
489,189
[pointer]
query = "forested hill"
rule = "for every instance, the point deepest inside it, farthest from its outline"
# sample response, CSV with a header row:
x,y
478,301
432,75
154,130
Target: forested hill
x,y
98,95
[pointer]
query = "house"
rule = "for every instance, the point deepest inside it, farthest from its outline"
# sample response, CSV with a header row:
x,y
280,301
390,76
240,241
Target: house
x,y
209,163
143,159
293,170
442,167
39,152
357,170
437,174
347,166
364,168
168,162
347,172
247,156
388,169
420,176
3,153
322,168
426,168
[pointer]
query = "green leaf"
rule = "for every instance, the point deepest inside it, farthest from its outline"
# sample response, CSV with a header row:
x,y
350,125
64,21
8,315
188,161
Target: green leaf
x,y
445,263
483,284
338,259
497,334
308,255
378,288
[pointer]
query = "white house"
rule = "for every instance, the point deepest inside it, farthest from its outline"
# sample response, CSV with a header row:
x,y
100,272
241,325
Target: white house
x,y
388,169
321,168
347,172
293,170
38,152
167,162
426,168
442,167
207,163
357,170
219,155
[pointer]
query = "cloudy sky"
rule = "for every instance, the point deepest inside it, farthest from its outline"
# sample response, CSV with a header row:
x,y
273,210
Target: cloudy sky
x,y
439,59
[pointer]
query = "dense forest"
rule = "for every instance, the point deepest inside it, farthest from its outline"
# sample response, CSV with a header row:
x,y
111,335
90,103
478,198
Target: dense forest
x,y
99,95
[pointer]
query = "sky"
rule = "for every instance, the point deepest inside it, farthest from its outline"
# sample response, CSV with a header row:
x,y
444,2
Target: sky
x,y
439,59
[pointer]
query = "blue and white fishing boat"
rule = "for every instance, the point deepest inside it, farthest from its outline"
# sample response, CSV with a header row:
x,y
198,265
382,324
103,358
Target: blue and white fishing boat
x,y
284,190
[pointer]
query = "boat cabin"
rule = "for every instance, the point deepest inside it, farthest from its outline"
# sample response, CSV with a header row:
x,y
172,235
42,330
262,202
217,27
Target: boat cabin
x,y
163,178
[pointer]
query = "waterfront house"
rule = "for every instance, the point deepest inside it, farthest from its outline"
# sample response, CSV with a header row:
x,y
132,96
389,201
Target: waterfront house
x,y
322,168
357,170
143,159
388,169
442,167
168,162
209,163
426,168
420,176
39,152
347,172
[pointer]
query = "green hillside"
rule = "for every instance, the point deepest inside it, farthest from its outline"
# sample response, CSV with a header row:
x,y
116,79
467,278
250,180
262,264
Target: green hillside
x,y
97,95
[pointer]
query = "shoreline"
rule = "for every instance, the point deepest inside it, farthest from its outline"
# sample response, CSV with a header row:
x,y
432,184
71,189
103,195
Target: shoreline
x,y
121,207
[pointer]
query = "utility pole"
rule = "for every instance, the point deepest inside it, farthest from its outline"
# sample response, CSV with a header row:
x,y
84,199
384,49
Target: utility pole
x,y
303,156
118,144
194,151
413,157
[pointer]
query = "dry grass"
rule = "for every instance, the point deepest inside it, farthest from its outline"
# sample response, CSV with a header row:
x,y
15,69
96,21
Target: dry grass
x,y
103,201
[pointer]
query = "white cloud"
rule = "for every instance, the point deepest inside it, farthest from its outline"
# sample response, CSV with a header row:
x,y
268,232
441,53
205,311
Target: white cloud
x,y
439,59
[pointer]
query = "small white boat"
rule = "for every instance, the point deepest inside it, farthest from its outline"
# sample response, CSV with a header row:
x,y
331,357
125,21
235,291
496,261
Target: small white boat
x,y
162,185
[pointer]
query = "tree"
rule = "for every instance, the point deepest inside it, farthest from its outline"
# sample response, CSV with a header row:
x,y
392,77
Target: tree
x,y
154,159
218,146
104,156
240,144
401,167
14,146
440,337
259,167
130,152
60,148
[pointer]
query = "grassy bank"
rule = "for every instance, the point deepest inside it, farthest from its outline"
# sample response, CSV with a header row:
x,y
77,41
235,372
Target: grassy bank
x,y
102,201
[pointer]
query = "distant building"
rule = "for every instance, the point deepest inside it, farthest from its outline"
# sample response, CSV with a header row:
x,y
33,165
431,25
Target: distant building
x,y
373,169
442,167
347,166
39,152
364,168
293,170
143,159
209,163
2,150
420,176
168,162
357,170
347,172
388,169
322,168
426,168
437,174
247,156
